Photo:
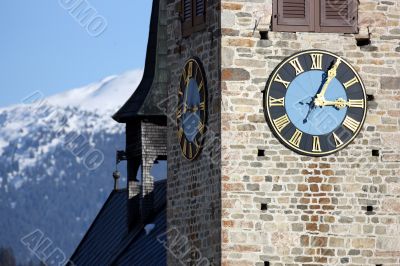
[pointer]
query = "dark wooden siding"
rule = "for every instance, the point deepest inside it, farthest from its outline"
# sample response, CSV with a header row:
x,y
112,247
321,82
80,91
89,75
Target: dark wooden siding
x,y
154,144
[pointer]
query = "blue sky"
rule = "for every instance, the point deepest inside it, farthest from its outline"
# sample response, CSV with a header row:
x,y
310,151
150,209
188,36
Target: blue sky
x,y
43,47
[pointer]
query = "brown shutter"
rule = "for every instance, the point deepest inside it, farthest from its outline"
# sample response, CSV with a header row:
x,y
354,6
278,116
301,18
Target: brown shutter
x,y
338,16
187,16
293,15
199,7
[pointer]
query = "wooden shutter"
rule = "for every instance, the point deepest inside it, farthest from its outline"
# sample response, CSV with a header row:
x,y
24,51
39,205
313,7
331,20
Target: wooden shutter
x,y
187,17
193,16
293,15
338,16
199,12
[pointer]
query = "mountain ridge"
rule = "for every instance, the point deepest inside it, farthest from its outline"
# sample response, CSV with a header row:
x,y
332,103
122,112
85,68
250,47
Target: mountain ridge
x,y
57,155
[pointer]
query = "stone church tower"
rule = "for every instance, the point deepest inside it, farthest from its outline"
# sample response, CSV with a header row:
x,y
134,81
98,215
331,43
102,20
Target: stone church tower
x,y
247,198
280,124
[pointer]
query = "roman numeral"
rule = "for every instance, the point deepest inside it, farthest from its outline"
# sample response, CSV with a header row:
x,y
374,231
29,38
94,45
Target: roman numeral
x,y
279,79
196,144
190,151
201,128
190,69
184,74
316,61
316,144
184,146
281,122
351,124
180,134
179,113
296,138
297,66
276,102
338,141
356,103
202,106
201,86
351,82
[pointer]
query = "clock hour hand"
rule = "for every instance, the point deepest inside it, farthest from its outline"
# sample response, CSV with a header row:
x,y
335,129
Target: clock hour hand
x,y
341,103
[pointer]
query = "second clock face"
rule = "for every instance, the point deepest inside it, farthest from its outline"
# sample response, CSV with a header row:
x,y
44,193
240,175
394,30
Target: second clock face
x,y
192,109
315,102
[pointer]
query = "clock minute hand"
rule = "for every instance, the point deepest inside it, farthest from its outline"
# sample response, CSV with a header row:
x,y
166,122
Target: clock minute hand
x,y
185,105
331,74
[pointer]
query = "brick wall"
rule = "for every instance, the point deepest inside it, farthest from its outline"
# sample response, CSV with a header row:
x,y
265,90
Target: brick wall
x,y
193,192
316,207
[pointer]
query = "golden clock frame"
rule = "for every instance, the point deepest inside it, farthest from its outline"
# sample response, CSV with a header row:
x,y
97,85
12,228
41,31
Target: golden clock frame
x,y
269,118
198,63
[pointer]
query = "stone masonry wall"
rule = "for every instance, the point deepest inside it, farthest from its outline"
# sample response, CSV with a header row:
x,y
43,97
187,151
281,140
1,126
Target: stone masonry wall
x,y
193,192
316,206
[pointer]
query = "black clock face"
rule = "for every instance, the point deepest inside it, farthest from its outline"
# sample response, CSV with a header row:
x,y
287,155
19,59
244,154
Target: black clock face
x,y
192,109
315,103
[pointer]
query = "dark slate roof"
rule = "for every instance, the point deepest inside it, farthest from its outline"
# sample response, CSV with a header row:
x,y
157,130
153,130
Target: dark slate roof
x,y
108,241
106,232
136,105
147,249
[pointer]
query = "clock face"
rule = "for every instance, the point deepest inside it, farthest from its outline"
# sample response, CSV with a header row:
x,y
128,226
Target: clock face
x,y
192,109
315,103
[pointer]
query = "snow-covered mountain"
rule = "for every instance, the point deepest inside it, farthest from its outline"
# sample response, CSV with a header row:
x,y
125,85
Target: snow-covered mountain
x,y
105,96
57,155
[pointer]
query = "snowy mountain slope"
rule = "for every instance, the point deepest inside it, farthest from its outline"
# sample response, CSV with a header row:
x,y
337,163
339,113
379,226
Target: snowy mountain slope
x,y
104,96
100,100
57,155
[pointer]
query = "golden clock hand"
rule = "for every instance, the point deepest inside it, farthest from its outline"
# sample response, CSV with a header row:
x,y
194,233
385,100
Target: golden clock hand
x,y
185,106
194,109
339,103
323,102
331,74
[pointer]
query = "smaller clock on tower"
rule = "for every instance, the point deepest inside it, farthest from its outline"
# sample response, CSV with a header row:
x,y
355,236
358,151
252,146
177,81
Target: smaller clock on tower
x,y
191,114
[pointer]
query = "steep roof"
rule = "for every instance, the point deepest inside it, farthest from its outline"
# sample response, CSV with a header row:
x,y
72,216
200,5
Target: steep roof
x,y
145,101
146,249
143,249
109,242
